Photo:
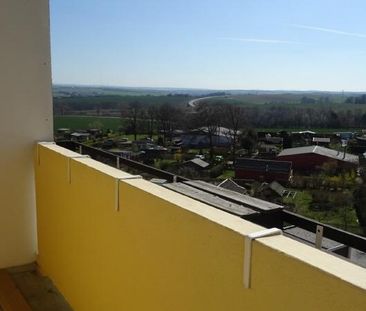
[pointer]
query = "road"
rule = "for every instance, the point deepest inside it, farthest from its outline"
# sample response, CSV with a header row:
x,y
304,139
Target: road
x,y
192,103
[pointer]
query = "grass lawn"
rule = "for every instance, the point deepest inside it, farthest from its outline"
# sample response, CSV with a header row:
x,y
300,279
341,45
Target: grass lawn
x,y
340,215
227,174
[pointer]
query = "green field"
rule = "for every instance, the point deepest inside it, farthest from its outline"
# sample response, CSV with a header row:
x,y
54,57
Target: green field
x,y
85,122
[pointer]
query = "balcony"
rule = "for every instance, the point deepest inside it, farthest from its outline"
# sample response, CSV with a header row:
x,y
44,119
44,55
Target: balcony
x,y
113,241
108,240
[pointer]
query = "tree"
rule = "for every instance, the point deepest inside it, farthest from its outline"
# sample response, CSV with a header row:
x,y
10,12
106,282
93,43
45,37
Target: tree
x,y
135,108
167,114
234,117
151,117
210,116
249,140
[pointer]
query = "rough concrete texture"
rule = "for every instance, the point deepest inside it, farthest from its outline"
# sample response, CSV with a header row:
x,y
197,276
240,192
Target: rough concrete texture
x,y
38,291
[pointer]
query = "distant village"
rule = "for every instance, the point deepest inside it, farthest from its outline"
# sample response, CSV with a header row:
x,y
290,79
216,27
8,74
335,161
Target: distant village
x,y
313,174
271,157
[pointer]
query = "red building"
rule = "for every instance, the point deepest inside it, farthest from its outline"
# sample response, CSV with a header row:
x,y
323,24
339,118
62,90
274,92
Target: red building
x,y
263,170
313,157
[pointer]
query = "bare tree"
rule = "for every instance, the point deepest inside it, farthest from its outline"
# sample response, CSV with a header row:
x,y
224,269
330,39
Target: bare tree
x,y
135,108
166,116
249,139
151,118
210,116
234,117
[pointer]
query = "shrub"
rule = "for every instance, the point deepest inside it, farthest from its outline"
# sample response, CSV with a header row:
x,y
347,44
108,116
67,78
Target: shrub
x,y
217,170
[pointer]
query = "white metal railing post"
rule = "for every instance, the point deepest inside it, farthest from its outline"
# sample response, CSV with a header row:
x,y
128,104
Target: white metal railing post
x,y
69,164
319,236
248,251
118,164
117,192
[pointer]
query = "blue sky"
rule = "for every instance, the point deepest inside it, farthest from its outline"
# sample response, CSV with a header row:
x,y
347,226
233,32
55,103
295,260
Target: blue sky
x,y
227,44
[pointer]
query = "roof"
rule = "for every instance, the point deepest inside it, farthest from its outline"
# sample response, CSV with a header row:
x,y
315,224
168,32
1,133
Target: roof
x,y
199,162
229,184
326,152
272,139
245,200
321,139
220,131
77,134
277,187
211,199
264,165
304,132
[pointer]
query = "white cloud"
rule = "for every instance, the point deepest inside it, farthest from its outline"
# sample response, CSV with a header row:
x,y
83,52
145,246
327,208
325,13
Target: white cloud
x,y
329,30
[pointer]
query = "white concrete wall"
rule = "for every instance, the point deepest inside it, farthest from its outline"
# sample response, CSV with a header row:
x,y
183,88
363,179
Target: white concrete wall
x,y
25,117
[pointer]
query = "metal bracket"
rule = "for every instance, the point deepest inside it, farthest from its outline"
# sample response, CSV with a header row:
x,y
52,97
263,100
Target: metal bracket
x,y
117,194
42,143
69,164
248,250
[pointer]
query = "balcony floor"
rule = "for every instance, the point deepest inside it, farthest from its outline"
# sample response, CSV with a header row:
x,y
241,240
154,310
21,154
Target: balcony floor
x,y
38,292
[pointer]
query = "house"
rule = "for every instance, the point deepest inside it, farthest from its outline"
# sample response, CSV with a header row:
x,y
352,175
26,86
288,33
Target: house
x,y
147,150
124,143
197,164
313,157
267,151
321,141
345,135
80,136
95,132
63,130
62,133
304,133
199,138
272,140
263,170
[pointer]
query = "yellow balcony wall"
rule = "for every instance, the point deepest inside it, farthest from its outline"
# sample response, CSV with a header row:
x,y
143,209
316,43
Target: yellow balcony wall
x,y
133,245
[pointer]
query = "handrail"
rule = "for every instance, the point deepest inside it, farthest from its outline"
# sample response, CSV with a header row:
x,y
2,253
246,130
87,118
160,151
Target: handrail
x,y
332,233
277,219
116,160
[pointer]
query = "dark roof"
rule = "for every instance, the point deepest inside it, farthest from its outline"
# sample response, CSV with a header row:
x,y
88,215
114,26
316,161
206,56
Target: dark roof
x,y
272,139
261,165
211,199
245,200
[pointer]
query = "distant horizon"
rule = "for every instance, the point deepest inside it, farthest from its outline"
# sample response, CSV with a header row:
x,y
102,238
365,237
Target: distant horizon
x,y
199,89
